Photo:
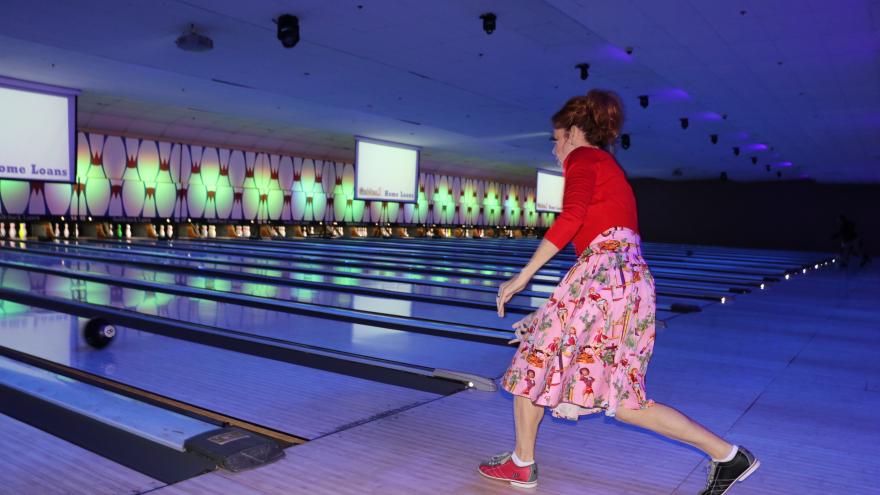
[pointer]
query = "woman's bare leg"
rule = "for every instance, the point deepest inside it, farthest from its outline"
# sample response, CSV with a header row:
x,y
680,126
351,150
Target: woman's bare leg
x,y
527,417
671,423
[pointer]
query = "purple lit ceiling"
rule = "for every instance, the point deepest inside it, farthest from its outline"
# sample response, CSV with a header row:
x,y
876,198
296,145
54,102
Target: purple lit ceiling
x,y
794,83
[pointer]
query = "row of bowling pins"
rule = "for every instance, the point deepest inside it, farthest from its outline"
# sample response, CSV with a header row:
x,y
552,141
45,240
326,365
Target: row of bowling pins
x,y
164,231
245,231
120,231
207,231
210,231
21,232
57,231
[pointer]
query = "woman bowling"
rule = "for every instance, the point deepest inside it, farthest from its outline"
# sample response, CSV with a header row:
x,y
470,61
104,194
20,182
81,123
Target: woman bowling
x,y
587,349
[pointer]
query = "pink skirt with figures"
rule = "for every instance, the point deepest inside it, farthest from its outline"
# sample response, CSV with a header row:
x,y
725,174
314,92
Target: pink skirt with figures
x,y
587,348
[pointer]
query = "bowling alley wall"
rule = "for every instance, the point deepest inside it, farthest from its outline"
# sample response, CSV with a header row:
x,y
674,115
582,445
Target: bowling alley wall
x,y
793,214
131,178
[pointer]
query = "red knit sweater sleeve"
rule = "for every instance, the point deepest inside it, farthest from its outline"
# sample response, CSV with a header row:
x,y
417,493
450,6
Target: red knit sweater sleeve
x,y
580,179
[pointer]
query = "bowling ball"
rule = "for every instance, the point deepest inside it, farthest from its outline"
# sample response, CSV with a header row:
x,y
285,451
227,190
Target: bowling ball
x,y
99,333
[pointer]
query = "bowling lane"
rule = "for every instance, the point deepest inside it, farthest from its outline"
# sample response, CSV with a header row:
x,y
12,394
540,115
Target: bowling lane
x,y
441,295
481,255
484,277
276,286
37,471
466,249
498,273
286,397
526,247
372,341
668,293
281,279
277,250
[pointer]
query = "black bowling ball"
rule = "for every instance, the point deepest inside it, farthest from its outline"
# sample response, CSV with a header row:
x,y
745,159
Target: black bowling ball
x,y
99,333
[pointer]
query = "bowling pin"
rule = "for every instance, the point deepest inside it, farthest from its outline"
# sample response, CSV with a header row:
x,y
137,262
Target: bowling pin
x,y
238,232
128,231
76,231
161,231
170,231
247,231
2,229
204,230
212,232
66,231
283,231
56,232
22,231
11,230
119,230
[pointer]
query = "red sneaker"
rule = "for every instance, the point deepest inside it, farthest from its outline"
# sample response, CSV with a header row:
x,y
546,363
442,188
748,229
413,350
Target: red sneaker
x,y
501,467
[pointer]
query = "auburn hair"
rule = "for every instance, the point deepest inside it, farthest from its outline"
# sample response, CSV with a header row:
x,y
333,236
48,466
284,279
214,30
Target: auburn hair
x,y
599,114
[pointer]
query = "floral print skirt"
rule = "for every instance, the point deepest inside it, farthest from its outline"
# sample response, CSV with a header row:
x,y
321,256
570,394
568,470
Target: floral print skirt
x,y
587,348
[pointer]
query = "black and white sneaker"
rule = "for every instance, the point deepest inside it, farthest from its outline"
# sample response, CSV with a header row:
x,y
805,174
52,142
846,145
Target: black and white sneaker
x,y
722,475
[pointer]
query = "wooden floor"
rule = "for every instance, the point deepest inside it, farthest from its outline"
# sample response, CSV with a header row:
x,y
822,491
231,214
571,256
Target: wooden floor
x,y
35,462
792,373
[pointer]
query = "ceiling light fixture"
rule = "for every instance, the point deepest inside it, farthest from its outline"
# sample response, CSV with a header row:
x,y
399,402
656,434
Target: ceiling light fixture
x,y
194,42
288,30
489,20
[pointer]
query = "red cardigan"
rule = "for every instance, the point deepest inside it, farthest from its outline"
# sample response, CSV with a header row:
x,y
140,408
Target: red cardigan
x,y
597,197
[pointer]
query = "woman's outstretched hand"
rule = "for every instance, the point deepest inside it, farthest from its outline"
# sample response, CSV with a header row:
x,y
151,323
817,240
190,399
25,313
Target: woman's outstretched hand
x,y
509,289
521,328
